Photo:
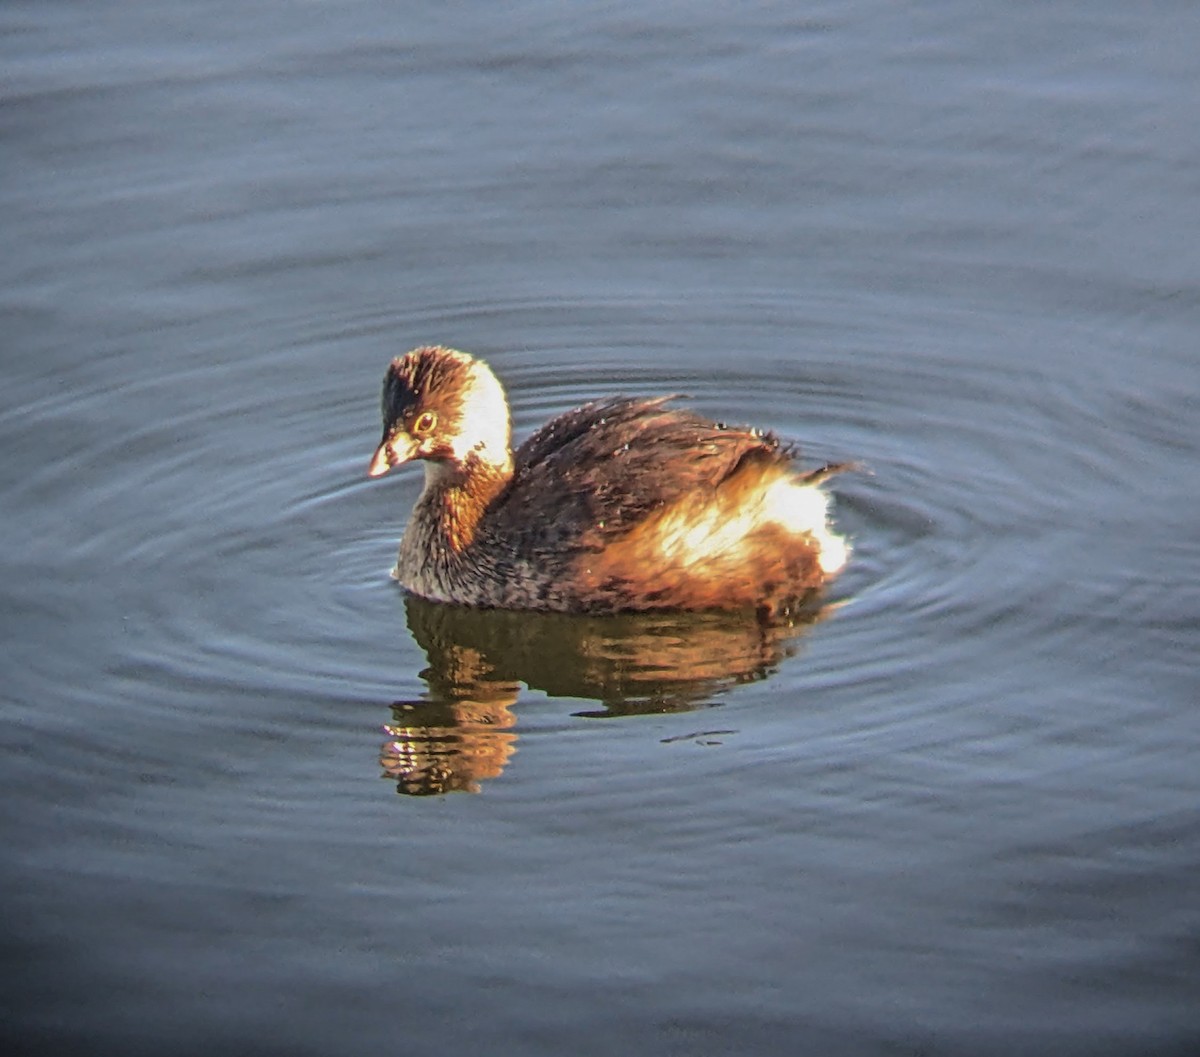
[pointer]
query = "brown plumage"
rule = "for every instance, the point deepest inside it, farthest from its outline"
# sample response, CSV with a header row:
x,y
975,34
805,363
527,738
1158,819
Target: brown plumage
x,y
622,504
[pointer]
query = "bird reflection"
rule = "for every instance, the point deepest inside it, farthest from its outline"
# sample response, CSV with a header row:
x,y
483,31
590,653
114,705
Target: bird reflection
x,y
460,733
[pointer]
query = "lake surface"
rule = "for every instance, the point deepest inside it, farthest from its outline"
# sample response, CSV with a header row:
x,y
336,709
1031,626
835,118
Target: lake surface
x,y
957,814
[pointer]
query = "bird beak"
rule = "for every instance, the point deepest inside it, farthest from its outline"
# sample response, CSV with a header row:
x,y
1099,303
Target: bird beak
x,y
394,450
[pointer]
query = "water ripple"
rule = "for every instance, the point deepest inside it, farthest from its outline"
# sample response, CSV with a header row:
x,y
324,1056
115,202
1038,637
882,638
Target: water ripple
x,y
233,475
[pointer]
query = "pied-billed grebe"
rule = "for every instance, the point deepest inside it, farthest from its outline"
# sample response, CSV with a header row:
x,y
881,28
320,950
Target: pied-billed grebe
x,y
622,504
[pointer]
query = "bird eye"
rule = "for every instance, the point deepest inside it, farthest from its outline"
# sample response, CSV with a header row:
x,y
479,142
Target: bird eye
x,y
425,422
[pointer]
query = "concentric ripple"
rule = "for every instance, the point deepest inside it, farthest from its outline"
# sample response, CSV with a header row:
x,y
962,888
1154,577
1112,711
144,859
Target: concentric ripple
x,y
226,498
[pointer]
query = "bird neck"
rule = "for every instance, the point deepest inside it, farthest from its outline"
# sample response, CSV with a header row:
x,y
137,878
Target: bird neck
x,y
458,493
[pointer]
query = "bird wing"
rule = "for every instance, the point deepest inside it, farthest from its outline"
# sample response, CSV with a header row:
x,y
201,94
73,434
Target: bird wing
x,y
591,474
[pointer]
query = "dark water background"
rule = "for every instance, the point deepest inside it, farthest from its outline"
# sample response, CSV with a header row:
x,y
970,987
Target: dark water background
x,y
959,815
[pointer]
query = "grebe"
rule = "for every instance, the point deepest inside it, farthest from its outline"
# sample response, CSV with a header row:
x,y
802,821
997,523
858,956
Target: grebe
x,y
622,504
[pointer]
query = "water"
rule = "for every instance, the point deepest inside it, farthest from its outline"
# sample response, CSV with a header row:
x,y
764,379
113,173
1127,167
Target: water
x,y
958,814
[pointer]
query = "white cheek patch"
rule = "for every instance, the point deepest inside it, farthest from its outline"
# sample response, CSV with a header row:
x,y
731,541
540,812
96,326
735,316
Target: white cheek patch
x,y
485,423
700,535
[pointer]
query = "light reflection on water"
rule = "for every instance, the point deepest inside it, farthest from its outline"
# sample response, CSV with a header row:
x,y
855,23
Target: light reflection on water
x,y
460,733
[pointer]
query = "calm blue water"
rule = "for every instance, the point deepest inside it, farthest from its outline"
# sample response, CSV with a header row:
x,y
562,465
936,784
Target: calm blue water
x,y
956,815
